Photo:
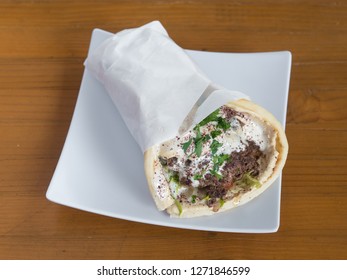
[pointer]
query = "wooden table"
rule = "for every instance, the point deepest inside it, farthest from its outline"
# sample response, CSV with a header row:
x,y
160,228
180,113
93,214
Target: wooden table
x,y
43,46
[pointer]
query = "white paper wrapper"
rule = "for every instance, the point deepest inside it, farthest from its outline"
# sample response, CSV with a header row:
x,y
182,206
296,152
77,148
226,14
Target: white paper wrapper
x,y
156,87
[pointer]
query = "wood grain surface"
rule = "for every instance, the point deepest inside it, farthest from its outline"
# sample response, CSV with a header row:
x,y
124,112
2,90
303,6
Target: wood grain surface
x,y
42,49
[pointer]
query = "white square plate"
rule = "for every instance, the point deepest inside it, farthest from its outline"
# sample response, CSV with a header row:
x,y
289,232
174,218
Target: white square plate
x,y
101,167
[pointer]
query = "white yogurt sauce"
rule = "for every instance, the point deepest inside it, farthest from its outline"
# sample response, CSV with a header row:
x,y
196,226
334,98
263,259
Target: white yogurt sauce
x,y
243,128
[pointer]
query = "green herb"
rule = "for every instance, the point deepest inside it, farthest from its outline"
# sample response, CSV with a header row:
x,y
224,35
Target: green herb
x,y
215,173
223,124
215,145
197,177
215,133
198,148
193,198
210,118
175,178
186,145
198,133
199,140
218,160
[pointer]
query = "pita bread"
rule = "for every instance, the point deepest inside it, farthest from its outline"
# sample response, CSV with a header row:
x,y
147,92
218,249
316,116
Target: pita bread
x,y
188,200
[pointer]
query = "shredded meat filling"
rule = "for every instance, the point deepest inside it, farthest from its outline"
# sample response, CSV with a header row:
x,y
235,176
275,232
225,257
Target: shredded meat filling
x,y
240,163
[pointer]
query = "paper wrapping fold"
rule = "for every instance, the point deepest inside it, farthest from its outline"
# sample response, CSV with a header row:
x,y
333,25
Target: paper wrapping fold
x,y
155,85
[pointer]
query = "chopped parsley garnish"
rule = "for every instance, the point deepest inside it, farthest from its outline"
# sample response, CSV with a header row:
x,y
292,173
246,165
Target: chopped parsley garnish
x,y
210,118
199,139
186,145
216,174
193,198
223,124
198,142
198,147
197,177
215,145
215,133
213,117
198,133
218,160
175,178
